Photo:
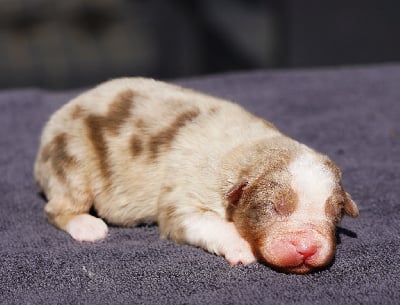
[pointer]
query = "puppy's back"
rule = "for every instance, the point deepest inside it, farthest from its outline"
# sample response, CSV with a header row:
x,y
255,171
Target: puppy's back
x,y
127,138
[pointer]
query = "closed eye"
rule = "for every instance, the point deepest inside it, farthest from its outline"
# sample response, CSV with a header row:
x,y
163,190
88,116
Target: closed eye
x,y
267,204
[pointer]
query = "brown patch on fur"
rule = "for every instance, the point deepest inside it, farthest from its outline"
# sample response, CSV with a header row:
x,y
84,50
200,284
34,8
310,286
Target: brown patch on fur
x,y
118,111
265,199
46,153
334,168
136,146
264,186
343,199
285,201
340,202
56,152
140,124
99,125
331,208
165,137
77,112
334,207
96,134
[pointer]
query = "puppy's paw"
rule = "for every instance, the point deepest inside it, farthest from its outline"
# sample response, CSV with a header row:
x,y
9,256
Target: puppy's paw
x,y
87,228
235,248
239,253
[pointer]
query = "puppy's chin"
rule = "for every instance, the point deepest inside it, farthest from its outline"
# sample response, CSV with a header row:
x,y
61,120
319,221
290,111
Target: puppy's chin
x,y
302,269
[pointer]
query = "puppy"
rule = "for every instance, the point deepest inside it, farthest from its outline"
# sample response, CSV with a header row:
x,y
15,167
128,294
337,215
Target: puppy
x,y
209,173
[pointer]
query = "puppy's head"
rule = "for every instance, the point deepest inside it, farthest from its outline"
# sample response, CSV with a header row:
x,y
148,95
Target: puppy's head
x,y
289,212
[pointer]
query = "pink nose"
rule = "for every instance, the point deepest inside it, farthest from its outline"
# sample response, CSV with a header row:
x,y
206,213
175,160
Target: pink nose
x,y
305,247
294,250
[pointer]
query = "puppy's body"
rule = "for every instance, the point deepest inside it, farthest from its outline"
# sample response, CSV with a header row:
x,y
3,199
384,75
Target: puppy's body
x,y
208,172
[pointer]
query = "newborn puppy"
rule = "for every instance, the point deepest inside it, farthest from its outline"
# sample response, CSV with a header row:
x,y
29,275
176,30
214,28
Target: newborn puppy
x,y
209,173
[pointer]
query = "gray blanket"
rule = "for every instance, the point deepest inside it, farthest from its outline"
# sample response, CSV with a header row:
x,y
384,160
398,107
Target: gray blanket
x,y
351,114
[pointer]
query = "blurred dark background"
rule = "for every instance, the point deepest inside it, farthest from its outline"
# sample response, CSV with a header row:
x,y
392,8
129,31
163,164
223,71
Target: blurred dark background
x,y
75,43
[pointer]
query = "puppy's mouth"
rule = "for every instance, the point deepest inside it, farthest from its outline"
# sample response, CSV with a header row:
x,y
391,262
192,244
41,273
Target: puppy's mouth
x,y
303,268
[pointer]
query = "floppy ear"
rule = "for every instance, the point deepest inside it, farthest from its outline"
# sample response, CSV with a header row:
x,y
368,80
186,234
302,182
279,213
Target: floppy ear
x,y
235,193
350,207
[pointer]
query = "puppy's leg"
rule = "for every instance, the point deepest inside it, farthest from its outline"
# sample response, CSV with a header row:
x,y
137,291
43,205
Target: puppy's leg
x,y
65,180
70,201
73,217
219,236
211,232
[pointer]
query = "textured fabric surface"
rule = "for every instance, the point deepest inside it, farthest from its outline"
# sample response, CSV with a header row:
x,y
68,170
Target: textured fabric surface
x,y
351,114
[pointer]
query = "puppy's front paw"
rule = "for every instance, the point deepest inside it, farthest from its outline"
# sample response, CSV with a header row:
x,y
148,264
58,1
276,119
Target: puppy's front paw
x,y
87,228
239,252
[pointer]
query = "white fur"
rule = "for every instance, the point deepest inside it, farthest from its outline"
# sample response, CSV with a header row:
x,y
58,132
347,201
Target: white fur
x,y
216,235
85,227
313,182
